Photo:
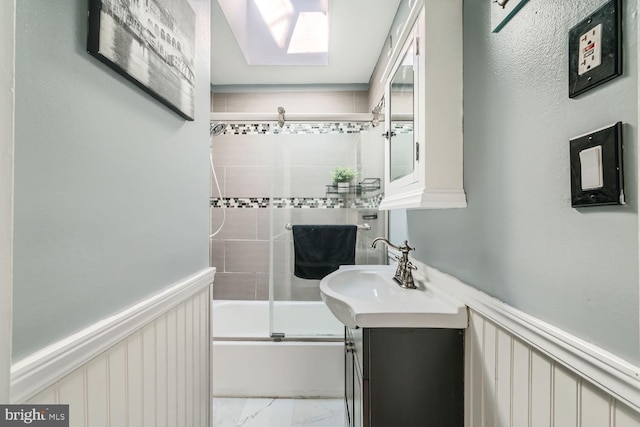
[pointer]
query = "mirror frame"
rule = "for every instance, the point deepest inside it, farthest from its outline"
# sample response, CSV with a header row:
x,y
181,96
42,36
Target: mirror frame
x,y
409,47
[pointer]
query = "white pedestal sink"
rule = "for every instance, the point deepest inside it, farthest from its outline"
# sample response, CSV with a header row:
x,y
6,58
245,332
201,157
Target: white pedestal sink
x,y
366,296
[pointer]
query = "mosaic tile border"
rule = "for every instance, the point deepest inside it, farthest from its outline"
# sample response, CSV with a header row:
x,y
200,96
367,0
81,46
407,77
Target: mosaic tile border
x,y
247,129
295,128
321,128
240,202
308,203
296,203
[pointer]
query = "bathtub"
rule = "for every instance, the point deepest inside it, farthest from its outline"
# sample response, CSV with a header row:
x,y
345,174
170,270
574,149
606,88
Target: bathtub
x,y
247,362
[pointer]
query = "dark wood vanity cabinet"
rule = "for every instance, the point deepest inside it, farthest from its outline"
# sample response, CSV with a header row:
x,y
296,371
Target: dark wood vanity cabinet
x,y
404,377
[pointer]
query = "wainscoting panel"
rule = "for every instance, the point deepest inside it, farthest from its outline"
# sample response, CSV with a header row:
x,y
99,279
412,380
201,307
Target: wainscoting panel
x,y
118,403
510,384
133,374
157,376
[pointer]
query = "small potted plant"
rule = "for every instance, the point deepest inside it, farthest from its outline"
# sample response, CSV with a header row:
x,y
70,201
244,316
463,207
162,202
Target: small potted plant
x,y
342,177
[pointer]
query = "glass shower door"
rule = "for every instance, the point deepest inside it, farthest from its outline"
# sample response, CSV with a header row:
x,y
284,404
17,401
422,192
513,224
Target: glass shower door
x,y
302,157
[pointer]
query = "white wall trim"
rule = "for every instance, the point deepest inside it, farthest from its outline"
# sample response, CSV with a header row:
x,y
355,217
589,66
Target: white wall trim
x,y
614,375
43,368
7,114
425,198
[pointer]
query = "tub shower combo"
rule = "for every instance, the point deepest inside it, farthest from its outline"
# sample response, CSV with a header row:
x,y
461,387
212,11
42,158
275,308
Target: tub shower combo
x,y
272,334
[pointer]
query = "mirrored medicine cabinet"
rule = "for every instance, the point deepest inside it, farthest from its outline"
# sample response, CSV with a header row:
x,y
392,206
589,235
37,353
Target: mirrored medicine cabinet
x,y
401,108
423,110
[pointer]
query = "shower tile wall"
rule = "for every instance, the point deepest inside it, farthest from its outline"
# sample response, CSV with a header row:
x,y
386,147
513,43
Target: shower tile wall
x,y
294,102
295,184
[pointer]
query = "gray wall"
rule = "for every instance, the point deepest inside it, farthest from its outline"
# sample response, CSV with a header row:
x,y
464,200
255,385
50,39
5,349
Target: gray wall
x,y
111,187
519,239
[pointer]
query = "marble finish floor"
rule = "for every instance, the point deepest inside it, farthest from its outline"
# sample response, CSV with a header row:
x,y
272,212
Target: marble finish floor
x,y
278,412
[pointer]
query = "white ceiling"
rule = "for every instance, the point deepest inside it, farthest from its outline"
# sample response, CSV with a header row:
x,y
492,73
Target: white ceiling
x,y
358,30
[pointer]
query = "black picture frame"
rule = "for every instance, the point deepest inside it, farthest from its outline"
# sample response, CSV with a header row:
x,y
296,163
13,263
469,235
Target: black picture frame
x,y
151,43
502,13
612,190
609,16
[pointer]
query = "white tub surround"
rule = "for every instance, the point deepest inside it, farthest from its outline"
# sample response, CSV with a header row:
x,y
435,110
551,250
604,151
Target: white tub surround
x,y
523,371
277,369
247,362
146,364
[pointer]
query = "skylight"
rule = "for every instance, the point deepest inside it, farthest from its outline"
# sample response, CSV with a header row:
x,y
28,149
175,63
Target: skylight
x,y
277,14
311,34
280,32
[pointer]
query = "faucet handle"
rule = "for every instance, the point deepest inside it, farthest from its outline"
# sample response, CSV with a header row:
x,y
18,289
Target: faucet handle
x,y
406,248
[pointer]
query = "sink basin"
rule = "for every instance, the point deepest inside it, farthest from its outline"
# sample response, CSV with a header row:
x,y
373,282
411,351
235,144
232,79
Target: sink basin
x,y
366,296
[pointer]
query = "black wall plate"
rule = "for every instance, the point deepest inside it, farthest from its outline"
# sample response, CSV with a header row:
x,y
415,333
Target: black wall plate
x,y
612,190
587,69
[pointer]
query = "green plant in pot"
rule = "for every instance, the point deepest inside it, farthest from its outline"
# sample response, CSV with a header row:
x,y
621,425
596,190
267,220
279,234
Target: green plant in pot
x,y
342,177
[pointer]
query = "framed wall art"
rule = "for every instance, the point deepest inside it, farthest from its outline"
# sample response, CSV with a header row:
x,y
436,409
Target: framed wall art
x,y
151,43
502,11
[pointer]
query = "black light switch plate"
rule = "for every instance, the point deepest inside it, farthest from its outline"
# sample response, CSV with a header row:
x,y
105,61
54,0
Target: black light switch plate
x,y
595,49
611,190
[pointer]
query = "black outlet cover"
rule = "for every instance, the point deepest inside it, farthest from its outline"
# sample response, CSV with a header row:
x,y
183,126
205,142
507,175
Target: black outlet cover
x,y
610,67
612,190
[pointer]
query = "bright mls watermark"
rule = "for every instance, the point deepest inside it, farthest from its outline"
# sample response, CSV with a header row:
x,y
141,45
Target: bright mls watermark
x,y
34,415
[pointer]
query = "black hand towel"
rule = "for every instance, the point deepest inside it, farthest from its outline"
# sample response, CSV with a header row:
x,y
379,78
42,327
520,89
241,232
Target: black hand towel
x,y
321,249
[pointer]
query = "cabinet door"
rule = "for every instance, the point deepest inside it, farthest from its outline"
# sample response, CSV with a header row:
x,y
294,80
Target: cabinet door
x,y
416,377
348,378
357,338
401,161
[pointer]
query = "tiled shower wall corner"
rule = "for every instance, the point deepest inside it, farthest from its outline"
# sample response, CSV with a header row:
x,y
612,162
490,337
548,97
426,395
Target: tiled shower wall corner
x,y
270,177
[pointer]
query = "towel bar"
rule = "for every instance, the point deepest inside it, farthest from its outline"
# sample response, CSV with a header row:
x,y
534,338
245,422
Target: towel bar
x,y
364,226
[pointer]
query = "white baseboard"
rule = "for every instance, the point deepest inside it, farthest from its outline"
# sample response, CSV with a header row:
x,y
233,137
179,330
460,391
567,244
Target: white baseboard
x,y
615,376
43,368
